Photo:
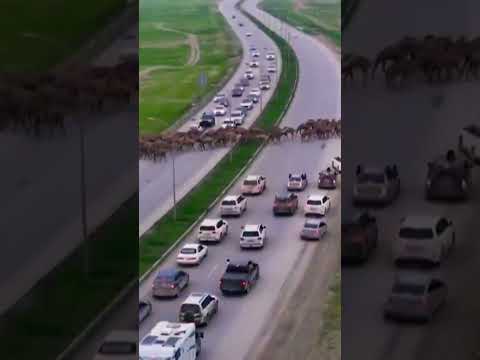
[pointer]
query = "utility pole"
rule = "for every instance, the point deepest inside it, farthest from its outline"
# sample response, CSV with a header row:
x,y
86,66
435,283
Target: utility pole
x,y
174,188
83,201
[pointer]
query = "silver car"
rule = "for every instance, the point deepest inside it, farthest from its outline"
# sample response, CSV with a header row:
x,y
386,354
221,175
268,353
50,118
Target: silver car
x,y
170,283
415,297
373,185
313,229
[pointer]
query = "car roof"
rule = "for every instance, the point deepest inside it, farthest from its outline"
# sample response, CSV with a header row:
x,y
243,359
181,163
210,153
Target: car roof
x,y
420,221
283,195
191,246
314,221
316,197
240,262
251,227
195,298
167,272
231,197
252,177
209,222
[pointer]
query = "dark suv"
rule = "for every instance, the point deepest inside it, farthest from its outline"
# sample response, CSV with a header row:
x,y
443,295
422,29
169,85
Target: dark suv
x,y
239,277
286,203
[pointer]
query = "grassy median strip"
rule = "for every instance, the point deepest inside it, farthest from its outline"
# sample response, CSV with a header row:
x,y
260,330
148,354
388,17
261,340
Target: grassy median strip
x,y
47,319
330,336
165,232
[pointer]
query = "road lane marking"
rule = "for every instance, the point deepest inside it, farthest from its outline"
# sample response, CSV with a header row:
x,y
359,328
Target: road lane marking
x,y
212,271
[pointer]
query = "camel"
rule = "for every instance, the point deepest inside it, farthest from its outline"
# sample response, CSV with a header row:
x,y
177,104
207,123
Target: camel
x,y
356,63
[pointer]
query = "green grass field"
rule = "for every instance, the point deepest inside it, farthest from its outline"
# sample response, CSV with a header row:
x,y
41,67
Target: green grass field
x,y
50,30
330,336
169,82
312,16
154,243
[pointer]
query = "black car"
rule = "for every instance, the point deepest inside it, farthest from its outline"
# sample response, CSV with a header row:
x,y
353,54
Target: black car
x,y
207,120
237,92
239,277
449,177
144,309
359,237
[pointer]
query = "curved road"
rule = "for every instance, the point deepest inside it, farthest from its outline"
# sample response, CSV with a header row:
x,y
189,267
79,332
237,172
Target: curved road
x,y
155,182
242,322
410,127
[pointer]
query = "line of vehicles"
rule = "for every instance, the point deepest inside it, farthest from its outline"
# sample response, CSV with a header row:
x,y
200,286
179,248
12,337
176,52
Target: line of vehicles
x,y
240,275
420,238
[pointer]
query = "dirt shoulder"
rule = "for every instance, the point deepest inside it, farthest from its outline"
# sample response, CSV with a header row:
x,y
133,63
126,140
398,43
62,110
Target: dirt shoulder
x,y
300,330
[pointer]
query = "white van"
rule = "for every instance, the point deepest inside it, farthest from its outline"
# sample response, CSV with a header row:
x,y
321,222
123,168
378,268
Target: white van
x,y
171,341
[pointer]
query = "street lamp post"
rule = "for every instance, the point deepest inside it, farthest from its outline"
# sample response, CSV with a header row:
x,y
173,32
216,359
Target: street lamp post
x,y
83,201
174,188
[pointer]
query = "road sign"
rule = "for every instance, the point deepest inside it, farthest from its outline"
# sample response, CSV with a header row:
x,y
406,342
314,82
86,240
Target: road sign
x,y
202,79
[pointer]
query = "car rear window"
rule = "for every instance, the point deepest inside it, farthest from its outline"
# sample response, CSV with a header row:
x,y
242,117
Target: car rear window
x,y
229,203
250,182
314,202
250,234
188,251
310,226
207,228
376,178
416,233
296,178
281,199
239,269
118,348
190,308
405,288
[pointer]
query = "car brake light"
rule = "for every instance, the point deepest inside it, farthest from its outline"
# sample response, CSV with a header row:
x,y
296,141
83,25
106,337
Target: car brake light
x,y
244,284
172,286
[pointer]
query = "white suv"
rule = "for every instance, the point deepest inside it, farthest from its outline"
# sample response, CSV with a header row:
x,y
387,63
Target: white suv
x,y
233,205
212,230
317,205
238,116
198,308
428,238
254,184
253,236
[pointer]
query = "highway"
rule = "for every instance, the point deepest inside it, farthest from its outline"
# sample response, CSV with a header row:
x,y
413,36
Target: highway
x,y
45,173
242,322
155,183
409,127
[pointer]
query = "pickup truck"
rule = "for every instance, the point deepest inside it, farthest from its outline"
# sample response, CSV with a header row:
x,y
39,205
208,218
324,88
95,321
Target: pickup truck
x,y
469,142
359,237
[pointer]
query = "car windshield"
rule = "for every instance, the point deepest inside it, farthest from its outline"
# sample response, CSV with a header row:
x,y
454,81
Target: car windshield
x,y
376,178
250,182
314,202
229,203
310,226
250,234
188,251
405,288
207,228
118,348
189,308
416,233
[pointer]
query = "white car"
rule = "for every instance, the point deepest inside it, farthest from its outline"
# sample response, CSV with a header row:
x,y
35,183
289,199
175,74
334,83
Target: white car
x,y
249,34
317,205
229,123
256,54
249,75
253,236
198,308
264,85
192,254
255,92
337,164
219,97
422,238
238,117
119,344
254,64
247,104
233,205
271,69
254,184
270,56
213,230
220,111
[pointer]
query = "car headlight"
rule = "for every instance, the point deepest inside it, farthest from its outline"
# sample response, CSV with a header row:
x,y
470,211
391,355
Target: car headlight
x,y
464,184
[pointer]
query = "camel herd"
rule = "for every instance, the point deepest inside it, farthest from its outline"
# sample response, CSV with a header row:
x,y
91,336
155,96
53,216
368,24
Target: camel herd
x,y
156,147
436,58
35,101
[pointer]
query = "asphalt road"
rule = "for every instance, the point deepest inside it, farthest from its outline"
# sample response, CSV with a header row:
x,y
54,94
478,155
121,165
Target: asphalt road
x,y
156,179
242,321
40,191
408,127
